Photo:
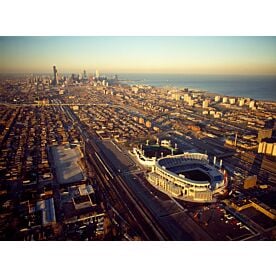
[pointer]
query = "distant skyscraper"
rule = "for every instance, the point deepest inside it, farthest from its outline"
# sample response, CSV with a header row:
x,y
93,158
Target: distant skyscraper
x,y
55,81
97,74
224,99
217,98
205,104
241,102
252,104
84,77
232,100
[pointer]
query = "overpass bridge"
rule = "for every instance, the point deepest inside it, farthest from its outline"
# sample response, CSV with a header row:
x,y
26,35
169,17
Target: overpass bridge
x,y
52,104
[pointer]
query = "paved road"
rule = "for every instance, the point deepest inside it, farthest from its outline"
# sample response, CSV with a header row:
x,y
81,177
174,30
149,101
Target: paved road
x,y
166,211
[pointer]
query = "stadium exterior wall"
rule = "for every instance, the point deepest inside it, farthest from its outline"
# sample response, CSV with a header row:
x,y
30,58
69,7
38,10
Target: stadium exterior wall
x,y
181,187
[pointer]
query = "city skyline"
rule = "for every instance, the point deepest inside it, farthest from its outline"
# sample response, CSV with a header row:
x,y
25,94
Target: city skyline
x,y
176,55
101,159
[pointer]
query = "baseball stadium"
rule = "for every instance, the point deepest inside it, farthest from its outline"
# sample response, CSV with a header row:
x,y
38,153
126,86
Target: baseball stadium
x,y
189,176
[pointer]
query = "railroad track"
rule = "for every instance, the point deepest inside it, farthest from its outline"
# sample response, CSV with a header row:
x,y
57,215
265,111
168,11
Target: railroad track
x,y
118,195
117,192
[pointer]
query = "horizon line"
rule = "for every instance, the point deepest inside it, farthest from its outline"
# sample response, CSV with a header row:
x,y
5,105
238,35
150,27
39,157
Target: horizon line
x,y
146,72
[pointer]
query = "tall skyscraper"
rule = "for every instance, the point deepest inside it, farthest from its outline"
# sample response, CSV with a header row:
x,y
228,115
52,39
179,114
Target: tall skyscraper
x,y
97,74
84,77
55,81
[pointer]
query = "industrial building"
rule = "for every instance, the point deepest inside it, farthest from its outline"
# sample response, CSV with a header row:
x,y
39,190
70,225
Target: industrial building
x,y
67,163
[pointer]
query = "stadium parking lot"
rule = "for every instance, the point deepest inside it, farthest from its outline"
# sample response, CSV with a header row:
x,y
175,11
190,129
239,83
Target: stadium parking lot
x,y
220,224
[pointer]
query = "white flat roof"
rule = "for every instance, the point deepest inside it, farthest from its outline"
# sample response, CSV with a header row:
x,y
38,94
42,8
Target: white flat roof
x,y
66,164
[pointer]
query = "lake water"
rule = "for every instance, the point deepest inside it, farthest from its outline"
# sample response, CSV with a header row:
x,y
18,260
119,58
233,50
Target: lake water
x,y
255,87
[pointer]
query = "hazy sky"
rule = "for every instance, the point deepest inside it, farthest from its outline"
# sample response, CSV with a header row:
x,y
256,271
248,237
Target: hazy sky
x,y
187,55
